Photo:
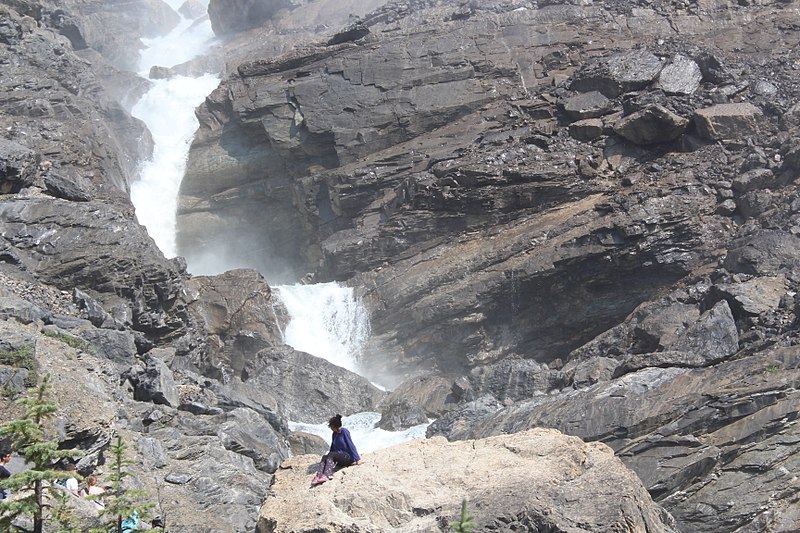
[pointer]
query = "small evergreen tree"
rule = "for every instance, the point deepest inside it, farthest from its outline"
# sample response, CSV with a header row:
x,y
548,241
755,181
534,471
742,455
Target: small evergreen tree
x,y
31,435
62,515
122,504
466,523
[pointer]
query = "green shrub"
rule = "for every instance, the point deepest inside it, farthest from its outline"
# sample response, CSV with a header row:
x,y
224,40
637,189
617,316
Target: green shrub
x,y
21,358
69,340
465,523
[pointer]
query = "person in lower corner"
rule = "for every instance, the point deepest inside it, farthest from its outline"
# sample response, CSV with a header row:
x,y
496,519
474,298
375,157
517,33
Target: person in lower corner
x,y
5,457
342,453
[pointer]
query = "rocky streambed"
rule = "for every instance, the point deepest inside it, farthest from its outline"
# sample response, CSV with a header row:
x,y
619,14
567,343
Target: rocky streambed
x,y
571,215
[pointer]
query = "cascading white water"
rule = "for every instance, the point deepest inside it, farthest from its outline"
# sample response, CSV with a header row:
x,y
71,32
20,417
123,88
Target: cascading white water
x,y
326,321
168,111
366,436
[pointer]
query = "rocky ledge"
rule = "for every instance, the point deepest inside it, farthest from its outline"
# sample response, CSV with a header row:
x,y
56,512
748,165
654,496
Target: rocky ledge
x,y
538,480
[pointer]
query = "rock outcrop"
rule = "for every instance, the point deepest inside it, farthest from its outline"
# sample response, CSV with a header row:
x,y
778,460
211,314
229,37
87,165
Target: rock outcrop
x,y
530,481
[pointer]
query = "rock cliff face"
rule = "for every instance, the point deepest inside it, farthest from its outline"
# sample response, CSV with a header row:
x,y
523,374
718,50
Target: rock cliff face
x,y
566,214
567,210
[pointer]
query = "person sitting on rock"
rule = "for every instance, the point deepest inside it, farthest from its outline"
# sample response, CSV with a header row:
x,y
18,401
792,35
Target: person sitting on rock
x,y
342,453
5,457
93,491
71,482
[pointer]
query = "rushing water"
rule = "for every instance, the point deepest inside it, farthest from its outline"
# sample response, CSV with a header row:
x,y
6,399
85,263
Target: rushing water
x,y
168,111
326,321
366,436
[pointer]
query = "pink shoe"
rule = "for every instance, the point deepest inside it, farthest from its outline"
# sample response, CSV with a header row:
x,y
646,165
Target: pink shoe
x,y
318,480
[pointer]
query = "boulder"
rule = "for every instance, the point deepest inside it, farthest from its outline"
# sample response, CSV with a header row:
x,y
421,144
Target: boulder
x,y
757,178
654,124
23,310
665,359
307,388
714,336
18,166
76,189
680,76
586,130
458,424
400,414
91,307
513,379
116,346
433,393
247,433
590,371
764,252
587,105
13,378
193,9
419,486
238,310
622,72
727,121
154,382
759,296
302,443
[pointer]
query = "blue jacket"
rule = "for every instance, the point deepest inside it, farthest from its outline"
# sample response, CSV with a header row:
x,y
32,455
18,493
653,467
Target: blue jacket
x,y
342,442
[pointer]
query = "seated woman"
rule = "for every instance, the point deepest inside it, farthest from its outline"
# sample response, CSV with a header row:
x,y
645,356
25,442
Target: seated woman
x,y
92,490
342,453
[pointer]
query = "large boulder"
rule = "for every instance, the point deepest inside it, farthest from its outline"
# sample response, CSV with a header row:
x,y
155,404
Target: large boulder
x,y
536,480
654,124
727,121
306,388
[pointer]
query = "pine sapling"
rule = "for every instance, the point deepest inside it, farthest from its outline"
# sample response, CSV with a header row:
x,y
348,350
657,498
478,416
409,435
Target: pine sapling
x,y
34,438
123,506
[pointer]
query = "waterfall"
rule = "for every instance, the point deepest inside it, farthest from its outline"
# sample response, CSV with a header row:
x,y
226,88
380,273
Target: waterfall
x,y
168,111
326,321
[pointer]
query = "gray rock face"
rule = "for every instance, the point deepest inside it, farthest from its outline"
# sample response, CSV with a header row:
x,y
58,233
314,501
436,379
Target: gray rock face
x,y
18,167
307,388
392,490
425,158
56,106
116,258
231,16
